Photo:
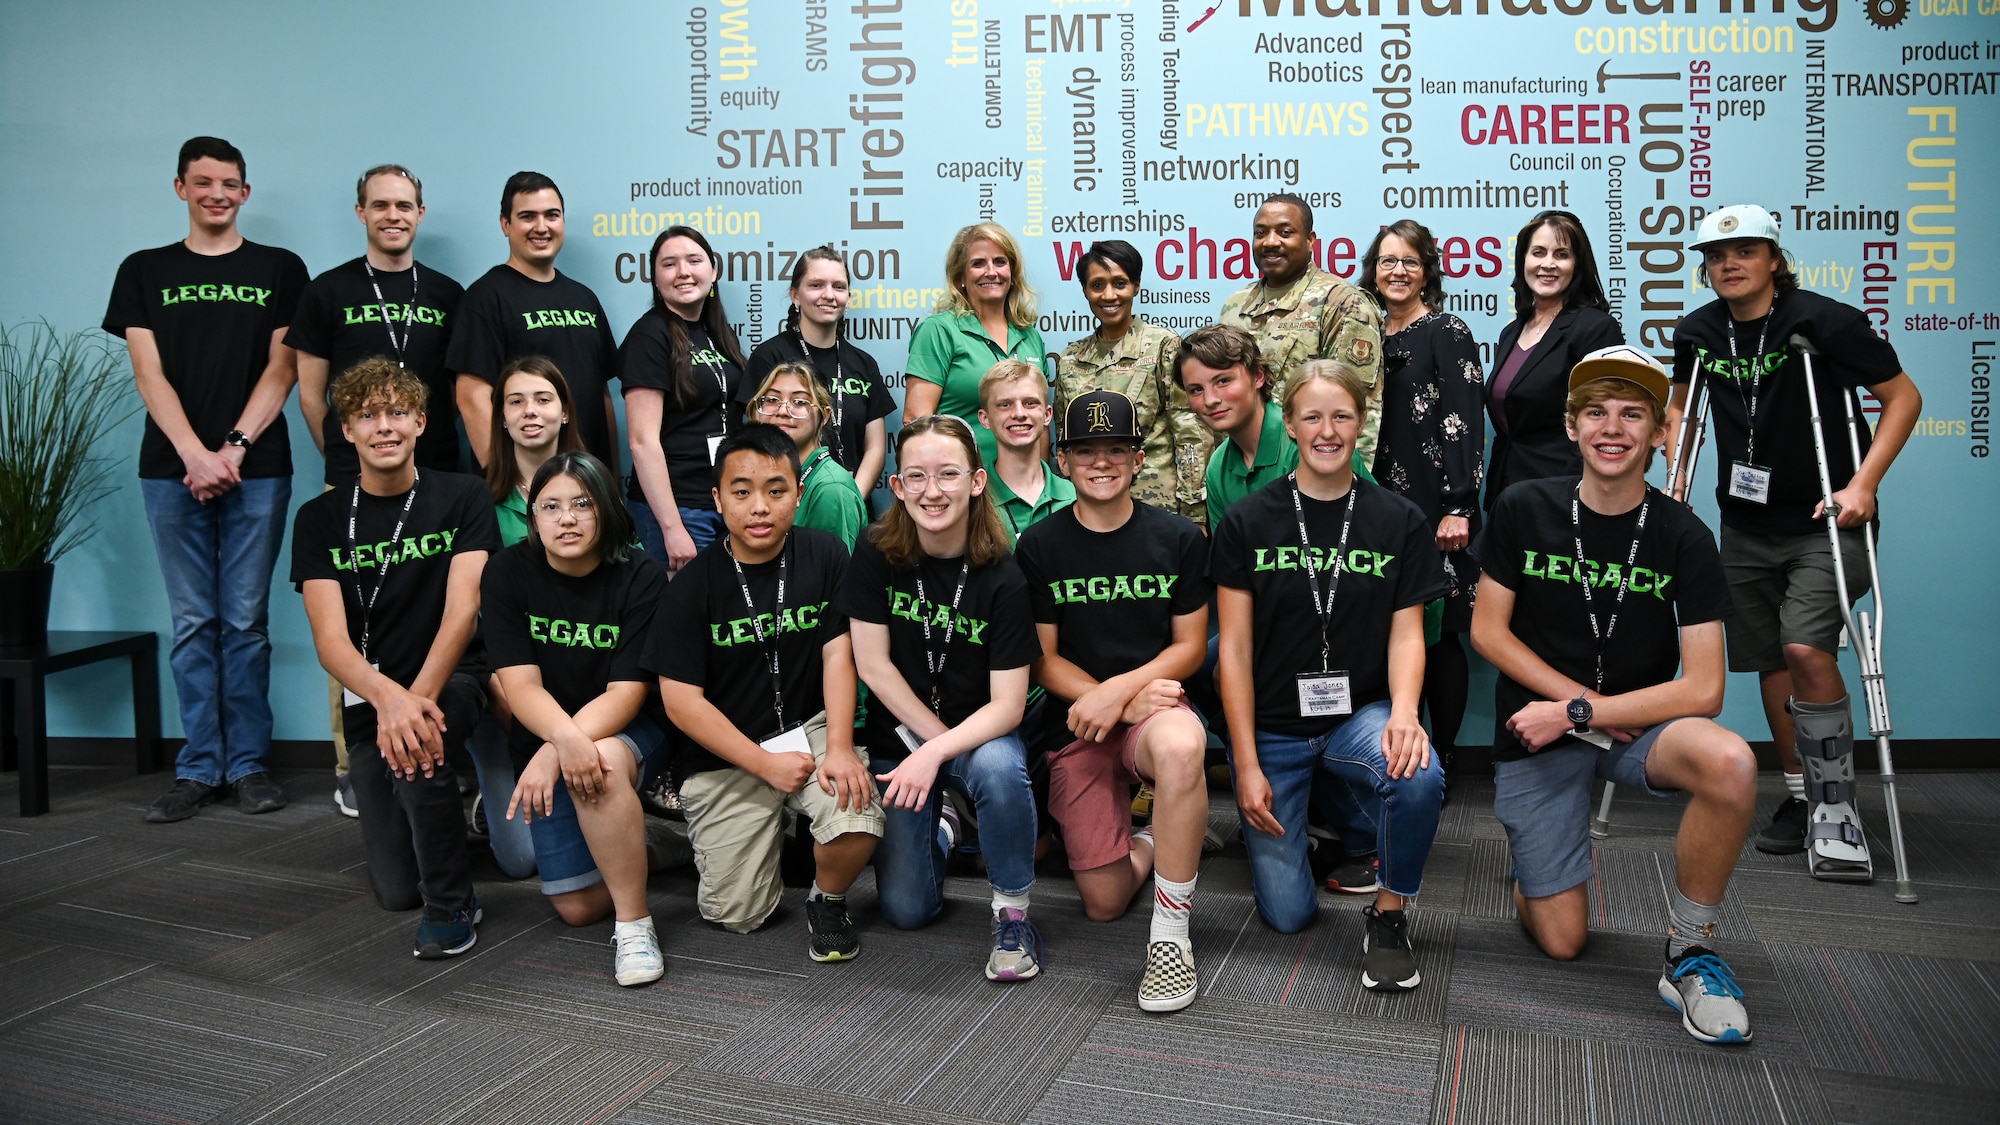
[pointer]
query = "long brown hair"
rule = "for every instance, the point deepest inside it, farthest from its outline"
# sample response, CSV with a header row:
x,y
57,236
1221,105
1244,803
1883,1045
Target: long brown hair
x,y
1585,290
713,320
895,533
503,474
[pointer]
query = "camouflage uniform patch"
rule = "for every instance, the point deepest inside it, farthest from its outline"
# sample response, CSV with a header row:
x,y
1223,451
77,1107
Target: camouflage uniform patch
x,y
1140,366
1317,316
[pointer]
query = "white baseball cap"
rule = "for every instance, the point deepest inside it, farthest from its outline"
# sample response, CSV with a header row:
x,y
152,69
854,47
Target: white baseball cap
x,y
1740,220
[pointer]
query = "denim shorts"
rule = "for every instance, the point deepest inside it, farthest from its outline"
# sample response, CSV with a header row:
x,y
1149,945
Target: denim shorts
x,y
561,855
1544,802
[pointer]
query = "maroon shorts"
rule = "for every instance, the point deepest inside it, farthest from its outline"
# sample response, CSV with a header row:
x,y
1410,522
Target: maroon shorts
x,y
1090,793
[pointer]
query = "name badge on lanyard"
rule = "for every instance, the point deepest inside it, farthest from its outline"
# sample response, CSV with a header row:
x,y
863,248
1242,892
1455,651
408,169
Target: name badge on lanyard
x,y
1750,482
347,696
1323,694
714,440
792,741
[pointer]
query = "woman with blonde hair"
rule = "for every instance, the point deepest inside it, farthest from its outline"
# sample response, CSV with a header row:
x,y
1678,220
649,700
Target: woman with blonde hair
x,y
987,314
795,402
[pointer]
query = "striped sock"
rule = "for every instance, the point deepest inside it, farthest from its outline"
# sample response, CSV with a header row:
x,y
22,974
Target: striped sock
x,y
1172,904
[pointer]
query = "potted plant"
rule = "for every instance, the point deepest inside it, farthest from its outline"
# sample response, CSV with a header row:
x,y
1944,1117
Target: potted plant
x,y
60,398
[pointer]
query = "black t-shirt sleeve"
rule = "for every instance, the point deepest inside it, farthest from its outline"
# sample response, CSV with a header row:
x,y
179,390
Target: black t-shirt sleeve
x,y
1034,570
863,592
503,611
309,332
312,543
1421,578
1495,549
478,529
645,360
128,303
824,553
880,404
677,645
1015,643
292,279
635,620
1227,564
478,347
762,362
1844,338
1192,590
1704,592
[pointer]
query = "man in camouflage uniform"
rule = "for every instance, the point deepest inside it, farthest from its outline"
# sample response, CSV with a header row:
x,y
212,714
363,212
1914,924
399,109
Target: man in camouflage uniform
x,y
1140,366
1299,312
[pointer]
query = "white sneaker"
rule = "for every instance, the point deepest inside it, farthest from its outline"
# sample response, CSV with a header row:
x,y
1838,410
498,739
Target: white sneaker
x,y
1703,988
638,960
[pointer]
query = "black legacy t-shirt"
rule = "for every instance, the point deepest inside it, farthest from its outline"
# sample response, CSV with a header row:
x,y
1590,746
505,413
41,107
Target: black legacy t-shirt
x,y
212,316
1391,564
340,321
707,636
1113,596
584,634
646,362
451,515
850,376
506,314
1529,546
993,627
1850,355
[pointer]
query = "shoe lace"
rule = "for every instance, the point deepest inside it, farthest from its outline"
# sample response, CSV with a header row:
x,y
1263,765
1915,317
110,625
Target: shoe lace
x,y
1391,933
1017,935
637,940
1717,978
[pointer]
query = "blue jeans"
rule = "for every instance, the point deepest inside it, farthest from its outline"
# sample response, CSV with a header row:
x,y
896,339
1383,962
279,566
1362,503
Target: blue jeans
x,y
910,862
1280,877
704,526
511,841
216,559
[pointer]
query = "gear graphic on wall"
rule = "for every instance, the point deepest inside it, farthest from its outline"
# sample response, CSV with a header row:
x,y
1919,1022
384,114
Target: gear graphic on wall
x,y
1886,14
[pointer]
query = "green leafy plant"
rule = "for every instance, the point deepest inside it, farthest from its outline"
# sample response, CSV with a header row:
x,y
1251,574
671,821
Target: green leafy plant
x,y
60,398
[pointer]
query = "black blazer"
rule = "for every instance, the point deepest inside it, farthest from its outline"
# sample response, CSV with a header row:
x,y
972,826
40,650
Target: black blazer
x,y
1531,442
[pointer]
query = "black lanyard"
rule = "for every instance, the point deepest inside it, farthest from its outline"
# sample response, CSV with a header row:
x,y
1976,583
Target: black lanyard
x,y
934,660
806,473
388,316
777,620
1324,611
1624,579
381,564
721,377
1756,376
839,395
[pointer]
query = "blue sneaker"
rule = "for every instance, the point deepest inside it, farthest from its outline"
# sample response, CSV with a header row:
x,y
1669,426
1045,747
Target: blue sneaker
x,y
1703,988
1017,947
447,933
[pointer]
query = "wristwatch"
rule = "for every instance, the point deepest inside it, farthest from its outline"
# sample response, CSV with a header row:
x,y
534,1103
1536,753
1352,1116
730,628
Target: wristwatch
x,y
1579,715
237,438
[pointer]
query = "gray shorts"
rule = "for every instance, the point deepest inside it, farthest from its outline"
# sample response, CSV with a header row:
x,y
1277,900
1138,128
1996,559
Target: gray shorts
x,y
1544,801
1782,592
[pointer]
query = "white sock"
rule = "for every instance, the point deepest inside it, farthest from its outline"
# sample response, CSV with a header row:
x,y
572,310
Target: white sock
x,y
1795,785
1002,901
1172,904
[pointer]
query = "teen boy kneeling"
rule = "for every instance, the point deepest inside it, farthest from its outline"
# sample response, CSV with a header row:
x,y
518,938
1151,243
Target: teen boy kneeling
x,y
757,670
1594,590
1122,609
390,569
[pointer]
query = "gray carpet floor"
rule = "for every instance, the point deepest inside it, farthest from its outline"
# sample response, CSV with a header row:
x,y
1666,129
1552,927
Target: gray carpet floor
x,y
235,969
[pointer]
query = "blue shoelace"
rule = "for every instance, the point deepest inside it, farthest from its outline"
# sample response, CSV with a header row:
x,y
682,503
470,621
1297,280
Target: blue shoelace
x,y
1020,934
1717,978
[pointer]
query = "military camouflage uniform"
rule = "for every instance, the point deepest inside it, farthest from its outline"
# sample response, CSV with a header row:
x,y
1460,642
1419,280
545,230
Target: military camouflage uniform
x,y
1317,316
1140,366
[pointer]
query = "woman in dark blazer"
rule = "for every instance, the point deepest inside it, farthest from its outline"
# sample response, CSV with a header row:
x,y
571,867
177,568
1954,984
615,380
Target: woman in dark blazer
x,y
1560,316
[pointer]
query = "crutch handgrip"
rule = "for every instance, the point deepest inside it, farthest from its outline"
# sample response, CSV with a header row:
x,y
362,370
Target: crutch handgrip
x,y
1800,342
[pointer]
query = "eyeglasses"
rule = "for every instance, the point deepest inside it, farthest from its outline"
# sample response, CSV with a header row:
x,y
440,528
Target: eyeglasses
x,y
947,480
796,408
580,507
1390,265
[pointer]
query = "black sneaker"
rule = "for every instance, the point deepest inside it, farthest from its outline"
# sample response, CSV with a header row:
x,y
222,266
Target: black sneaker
x,y
833,937
182,801
1354,875
1388,964
257,793
447,933
1786,834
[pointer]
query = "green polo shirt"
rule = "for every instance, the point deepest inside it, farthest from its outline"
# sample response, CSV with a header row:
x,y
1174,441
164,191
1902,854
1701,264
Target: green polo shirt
x,y
831,501
512,516
954,352
1017,515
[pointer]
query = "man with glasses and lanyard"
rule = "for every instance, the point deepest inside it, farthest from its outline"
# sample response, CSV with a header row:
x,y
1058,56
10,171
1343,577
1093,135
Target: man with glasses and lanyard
x,y
1595,590
390,568
757,671
383,303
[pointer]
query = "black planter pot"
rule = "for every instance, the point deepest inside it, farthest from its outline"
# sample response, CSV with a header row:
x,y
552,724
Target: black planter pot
x,y
24,605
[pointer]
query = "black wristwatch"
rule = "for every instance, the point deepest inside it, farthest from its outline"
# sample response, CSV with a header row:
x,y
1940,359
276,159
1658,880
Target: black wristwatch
x,y
1579,715
237,438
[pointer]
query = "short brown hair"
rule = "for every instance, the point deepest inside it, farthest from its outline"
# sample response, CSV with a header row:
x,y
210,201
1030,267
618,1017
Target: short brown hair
x,y
378,380
1220,346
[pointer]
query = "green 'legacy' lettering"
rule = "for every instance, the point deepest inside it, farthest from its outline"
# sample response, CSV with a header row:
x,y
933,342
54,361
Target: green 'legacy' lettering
x,y
1360,560
911,608
1605,575
394,314
411,547
559,318
571,634
1113,588
242,294
743,630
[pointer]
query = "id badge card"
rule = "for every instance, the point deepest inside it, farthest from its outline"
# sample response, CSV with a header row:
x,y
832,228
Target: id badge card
x,y
347,696
1322,694
1596,738
910,740
792,741
1750,482
714,440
